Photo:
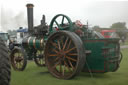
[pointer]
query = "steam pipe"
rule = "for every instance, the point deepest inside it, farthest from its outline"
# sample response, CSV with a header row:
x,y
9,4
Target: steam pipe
x,y
30,17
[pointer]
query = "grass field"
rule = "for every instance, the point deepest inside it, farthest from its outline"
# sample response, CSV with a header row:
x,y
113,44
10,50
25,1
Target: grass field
x,y
34,75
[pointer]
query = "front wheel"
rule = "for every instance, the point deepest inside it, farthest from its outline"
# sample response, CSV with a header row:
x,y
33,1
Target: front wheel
x,y
18,59
39,58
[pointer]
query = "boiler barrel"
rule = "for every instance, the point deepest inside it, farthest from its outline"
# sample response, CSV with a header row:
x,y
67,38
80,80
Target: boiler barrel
x,y
33,43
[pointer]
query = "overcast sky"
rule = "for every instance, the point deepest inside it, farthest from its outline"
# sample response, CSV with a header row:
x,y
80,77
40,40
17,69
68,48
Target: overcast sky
x,y
103,13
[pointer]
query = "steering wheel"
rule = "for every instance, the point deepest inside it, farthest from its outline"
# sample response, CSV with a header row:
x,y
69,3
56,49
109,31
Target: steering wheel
x,y
60,25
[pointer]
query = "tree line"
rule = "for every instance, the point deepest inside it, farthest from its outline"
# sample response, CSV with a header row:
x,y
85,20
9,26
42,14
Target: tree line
x,y
119,27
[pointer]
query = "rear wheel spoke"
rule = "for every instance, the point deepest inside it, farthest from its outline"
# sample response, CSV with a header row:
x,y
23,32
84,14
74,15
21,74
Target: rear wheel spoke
x,y
71,58
60,67
51,55
55,65
70,50
65,43
58,42
71,64
69,44
67,66
72,54
54,44
55,51
57,58
63,70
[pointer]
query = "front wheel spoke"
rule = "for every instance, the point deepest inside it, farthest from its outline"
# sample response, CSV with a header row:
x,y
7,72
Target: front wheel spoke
x,y
16,64
15,55
19,54
20,64
71,58
22,58
39,60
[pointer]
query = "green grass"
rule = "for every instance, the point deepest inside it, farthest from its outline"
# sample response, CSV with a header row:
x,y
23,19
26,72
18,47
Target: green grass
x,y
34,75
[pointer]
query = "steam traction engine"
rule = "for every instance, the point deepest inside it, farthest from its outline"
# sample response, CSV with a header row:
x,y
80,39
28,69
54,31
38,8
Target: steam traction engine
x,y
67,47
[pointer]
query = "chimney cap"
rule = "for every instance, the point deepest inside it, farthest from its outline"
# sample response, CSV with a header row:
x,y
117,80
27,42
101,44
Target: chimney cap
x,y
29,5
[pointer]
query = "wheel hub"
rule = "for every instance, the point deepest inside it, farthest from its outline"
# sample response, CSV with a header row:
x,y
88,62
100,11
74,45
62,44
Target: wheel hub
x,y
61,53
19,59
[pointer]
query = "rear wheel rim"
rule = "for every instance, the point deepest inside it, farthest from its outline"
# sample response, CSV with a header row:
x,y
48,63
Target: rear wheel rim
x,y
63,58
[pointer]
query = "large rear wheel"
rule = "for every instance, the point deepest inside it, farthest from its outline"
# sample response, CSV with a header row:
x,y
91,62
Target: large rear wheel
x,y
64,54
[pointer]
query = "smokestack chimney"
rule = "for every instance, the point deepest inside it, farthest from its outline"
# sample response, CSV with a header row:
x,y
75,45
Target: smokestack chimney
x,y
30,17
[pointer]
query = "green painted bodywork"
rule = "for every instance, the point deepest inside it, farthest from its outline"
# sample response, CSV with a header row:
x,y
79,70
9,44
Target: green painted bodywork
x,y
103,56
30,43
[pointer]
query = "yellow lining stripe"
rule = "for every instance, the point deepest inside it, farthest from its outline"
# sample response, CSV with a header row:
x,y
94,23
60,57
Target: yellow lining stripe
x,y
41,42
34,41
28,41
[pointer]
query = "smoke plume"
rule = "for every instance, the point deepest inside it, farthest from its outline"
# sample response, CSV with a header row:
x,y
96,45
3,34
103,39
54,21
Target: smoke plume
x,y
11,21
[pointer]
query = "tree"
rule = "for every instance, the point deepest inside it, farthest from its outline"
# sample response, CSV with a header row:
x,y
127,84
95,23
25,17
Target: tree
x,y
120,28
